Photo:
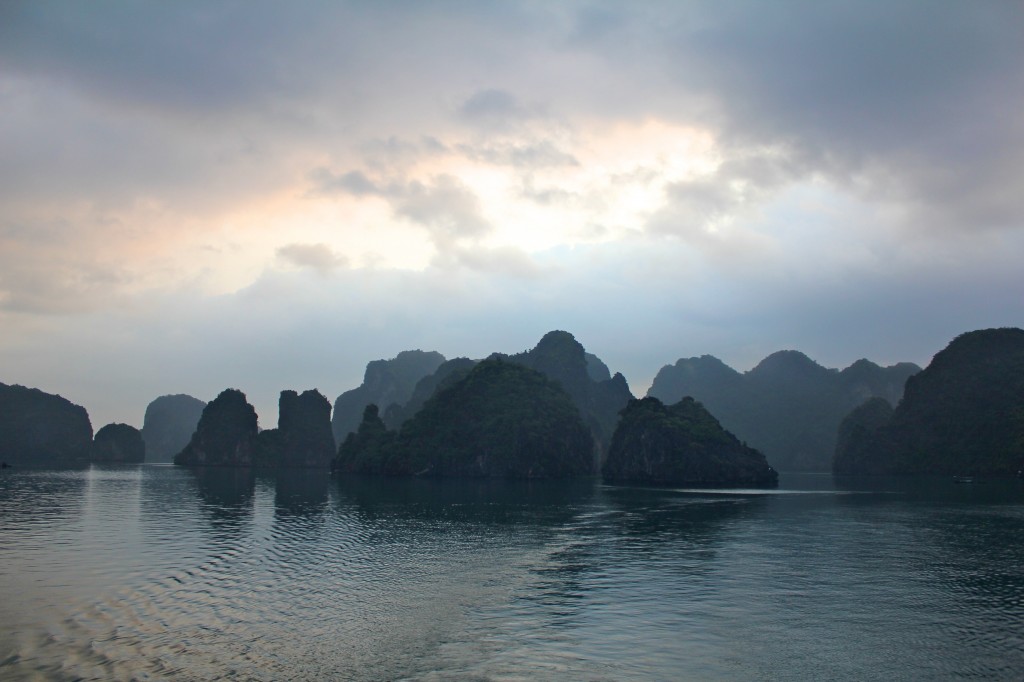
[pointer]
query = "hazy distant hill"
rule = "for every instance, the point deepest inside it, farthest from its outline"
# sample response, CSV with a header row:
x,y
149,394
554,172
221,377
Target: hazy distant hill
x,y
962,415
169,424
42,429
499,420
385,382
788,406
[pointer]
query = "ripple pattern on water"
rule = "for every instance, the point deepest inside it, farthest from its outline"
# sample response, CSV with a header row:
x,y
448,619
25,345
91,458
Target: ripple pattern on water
x,y
156,572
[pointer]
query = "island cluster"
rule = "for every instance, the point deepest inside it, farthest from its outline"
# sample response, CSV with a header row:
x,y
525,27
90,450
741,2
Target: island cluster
x,y
557,411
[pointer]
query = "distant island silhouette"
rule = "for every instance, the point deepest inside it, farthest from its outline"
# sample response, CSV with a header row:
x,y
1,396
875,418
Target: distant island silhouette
x,y
557,411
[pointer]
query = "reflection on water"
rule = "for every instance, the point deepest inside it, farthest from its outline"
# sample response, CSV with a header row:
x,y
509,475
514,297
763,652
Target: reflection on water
x,y
154,571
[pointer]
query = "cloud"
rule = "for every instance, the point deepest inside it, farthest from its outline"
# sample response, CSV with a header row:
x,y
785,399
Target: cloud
x,y
445,206
318,257
353,182
863,184
543,154
493,106
902,103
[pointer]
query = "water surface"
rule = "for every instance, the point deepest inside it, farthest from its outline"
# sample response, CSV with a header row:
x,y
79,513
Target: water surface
x,y
151,571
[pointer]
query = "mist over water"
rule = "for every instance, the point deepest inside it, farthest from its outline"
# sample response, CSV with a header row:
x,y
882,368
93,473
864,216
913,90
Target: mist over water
x,y
153,571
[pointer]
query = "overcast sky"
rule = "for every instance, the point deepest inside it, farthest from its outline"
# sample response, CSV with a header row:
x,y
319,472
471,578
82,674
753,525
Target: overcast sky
x,y
268,195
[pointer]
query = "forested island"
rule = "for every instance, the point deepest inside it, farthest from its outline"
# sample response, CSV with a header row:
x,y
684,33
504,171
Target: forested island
x,y
557,411
963,415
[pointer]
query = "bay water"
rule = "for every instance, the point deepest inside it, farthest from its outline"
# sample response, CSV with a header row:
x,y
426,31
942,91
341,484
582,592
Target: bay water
x,y
153,572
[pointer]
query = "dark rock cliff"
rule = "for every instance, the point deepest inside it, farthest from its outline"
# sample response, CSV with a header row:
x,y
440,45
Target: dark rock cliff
x,y
304,424
225,435
41,429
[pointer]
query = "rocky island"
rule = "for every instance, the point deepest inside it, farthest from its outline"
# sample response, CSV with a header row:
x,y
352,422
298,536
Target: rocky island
x,y
40,429
118,443
226,433
500,420
963,415
681,444
303,437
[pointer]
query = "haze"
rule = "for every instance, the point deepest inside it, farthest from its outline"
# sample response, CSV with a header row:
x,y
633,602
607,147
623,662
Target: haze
x,y
267,195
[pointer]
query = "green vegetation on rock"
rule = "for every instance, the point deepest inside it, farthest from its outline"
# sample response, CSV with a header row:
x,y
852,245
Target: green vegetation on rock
x,y
500,420
962,415
681,444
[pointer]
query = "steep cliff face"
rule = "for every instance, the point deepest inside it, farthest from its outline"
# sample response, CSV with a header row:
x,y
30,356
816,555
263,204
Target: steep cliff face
x,y
681,444
304,424
226,433
963,414
118,443
169,424
385,382
41,429
501,420
788,406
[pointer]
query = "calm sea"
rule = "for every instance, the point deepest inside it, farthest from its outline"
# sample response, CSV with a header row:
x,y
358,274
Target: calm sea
x,y
151,571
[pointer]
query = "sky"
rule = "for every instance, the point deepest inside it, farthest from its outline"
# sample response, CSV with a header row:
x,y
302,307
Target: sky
x,y
268,195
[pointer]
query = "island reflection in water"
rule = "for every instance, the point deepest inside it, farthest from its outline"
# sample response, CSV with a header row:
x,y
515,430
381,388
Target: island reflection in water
x,y
153,571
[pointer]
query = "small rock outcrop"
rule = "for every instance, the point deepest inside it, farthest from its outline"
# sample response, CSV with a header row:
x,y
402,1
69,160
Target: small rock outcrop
x,y
304,424
681,444
962,415
226,434
40,429
501,420
118,443
386,382
169,424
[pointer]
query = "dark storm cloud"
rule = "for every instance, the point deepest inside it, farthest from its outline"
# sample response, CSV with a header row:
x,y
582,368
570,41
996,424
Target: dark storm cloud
x,y
911,98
